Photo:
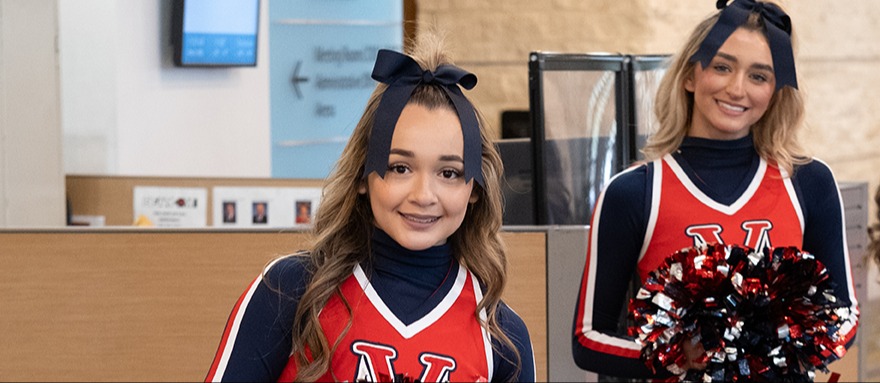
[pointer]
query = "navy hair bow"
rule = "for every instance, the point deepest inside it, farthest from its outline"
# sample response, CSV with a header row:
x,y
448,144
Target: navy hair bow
x,y
778,36
402,74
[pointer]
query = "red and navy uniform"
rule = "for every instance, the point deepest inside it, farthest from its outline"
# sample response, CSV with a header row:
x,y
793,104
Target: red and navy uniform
x,y
708,191
413,316
688,217
447,344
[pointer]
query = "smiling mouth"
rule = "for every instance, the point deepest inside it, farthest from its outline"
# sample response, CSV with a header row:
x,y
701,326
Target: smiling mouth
x,y
419,219
731,107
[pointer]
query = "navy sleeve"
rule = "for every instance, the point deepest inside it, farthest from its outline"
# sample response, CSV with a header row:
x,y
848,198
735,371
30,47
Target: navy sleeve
x,y
506,369
256,343
825,230
617,232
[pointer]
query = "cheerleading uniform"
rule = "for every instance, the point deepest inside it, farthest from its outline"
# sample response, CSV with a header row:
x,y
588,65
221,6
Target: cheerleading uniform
x,y
413,317
708,191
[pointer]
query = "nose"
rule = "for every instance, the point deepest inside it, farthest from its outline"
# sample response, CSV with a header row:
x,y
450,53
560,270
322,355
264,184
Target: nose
x,y
423,191
736,86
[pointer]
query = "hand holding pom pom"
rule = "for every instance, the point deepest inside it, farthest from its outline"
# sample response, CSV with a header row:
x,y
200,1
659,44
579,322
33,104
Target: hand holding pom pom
x,y
756,315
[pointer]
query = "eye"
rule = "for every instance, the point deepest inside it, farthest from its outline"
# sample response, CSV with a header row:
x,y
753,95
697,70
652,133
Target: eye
x,y
760,77
721,67
450,173
398,168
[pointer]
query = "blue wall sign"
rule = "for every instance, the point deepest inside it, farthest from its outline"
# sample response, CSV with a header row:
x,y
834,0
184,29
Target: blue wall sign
x,y
321,53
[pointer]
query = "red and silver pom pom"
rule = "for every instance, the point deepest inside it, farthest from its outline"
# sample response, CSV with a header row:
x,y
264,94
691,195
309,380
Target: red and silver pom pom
x,y
768,315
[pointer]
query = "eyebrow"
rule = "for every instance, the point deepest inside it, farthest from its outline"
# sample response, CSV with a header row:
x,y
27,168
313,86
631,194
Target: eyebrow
x,y
409,153
734,59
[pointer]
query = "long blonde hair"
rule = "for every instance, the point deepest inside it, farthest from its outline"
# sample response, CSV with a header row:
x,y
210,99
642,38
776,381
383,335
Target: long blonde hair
x,y
775,135
344,222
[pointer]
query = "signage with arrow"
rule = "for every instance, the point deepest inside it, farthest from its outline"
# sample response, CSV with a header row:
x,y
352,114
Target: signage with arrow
x,y
296,79
321,55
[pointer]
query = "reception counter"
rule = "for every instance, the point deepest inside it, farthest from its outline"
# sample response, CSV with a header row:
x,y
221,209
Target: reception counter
x,y
150,305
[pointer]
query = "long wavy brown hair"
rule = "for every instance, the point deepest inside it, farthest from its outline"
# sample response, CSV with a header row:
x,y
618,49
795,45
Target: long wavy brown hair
x,y
775,135
344,223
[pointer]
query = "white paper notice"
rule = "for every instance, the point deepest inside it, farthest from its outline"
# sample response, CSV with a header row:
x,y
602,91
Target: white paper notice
x,y
264,206
171,207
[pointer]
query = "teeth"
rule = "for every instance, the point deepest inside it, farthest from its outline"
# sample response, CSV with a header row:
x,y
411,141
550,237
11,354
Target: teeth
x,y
420,220
731,107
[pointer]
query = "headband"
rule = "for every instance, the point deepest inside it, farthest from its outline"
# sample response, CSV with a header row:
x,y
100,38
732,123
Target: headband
x,y
402,74
778,26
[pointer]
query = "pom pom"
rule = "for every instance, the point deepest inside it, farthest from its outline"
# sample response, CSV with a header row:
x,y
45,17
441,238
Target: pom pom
x,y
759,316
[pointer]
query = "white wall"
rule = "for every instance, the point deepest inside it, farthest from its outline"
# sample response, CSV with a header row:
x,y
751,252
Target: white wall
x,y
88,64
128,111
31,179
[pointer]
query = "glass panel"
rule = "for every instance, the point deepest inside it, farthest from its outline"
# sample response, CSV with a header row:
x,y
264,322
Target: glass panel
x,y
580,132
646,84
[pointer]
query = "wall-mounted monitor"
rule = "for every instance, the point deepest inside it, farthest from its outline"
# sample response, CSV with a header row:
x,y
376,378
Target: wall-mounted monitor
x,y
215,33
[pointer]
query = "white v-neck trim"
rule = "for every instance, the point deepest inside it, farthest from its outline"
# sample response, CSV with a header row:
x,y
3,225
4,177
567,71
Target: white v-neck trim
x,y
706,200
408,331
487,339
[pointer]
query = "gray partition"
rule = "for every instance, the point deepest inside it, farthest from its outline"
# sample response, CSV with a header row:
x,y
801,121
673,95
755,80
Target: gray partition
x,y
855,210
566,254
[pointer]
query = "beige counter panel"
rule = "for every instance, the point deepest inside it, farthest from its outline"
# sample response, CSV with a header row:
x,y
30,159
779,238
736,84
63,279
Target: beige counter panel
x,y
151,305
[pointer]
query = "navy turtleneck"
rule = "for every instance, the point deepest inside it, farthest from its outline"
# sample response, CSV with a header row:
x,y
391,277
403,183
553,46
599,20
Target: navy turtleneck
x,y
722,169
410,282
